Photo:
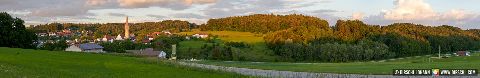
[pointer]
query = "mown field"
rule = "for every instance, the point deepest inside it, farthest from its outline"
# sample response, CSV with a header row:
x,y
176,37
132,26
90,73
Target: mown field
x,y
233,36
25,63
376,68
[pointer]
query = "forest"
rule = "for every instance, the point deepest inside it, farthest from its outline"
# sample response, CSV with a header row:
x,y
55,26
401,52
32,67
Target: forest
x,y
300,38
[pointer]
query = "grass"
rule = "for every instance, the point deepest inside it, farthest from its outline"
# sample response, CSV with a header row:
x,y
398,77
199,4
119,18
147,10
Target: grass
x,y
376,68
257,52
193,46
233,36
25,63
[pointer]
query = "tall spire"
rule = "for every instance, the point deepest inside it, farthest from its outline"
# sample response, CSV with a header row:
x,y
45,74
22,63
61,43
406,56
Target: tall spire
x,y
127,29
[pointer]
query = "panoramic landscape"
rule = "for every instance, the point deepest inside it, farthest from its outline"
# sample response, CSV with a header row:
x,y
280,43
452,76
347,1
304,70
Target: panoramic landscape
x,y
239,39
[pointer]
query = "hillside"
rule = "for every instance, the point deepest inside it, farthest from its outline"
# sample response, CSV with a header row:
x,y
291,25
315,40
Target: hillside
x,y
15,63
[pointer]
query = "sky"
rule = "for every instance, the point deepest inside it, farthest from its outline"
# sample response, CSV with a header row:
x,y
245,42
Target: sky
x,y
459,13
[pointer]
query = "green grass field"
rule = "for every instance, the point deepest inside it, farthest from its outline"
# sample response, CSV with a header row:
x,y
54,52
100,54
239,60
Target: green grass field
x,y
193,46
233,36
25,63
384,68
257,52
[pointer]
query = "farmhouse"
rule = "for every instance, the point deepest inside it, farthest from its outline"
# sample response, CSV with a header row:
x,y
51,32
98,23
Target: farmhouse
x,y
462,53
87,47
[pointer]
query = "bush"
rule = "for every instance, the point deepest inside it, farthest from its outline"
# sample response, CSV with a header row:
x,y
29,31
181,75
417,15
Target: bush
x,y
237,44
121,46
216,52
55,46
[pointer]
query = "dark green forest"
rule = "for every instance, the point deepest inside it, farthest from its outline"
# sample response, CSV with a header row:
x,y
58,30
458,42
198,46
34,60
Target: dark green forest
x,y
304,38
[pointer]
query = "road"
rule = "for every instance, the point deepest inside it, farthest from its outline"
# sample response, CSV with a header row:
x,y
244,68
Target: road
x,y
290,74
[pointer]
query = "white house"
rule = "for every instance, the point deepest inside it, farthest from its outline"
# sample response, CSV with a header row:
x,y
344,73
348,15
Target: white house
x,y
52,34
167,32
87,47
162,55
200,35
104,39
74,48
119,37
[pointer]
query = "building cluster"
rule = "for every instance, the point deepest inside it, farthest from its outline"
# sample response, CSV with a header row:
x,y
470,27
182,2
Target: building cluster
x,y
84,45
120,37
63,33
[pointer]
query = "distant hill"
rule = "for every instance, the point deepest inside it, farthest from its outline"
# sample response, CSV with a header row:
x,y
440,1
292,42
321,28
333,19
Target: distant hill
x,y
263,23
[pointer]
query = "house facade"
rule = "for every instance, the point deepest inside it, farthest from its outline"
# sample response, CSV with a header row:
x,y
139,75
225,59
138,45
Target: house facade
x,y
87,47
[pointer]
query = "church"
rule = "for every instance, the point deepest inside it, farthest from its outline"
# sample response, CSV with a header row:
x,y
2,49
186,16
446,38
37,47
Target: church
x,y
126,36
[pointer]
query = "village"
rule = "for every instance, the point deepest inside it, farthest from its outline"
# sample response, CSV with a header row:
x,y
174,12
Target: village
x,y
93,46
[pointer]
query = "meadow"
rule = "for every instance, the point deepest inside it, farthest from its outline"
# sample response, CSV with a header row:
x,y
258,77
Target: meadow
x,y
233,36
370,68
26,63
258,50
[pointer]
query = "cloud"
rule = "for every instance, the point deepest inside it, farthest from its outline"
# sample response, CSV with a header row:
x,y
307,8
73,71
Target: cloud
x,y
58,11
156,16
418,11
48,8
181,4
325,11
188,15
97,2
410,10
225,8
357,16
190,2
117,14
456,14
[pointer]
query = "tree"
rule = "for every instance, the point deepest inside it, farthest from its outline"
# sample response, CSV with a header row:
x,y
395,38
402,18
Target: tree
x,y
263,23
120,46
14,34
403,46
55,46
354,30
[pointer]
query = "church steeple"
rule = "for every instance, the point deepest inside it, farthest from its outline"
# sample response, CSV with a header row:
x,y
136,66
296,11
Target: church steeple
x,y
127,29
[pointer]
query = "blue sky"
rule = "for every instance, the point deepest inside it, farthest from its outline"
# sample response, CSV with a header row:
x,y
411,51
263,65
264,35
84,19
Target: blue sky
x,y
461,13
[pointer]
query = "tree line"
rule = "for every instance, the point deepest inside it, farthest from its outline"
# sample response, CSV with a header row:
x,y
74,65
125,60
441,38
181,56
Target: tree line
x,y
262,23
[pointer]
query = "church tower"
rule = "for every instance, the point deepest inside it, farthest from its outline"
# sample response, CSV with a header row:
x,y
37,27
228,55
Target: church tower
x,y
127,29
